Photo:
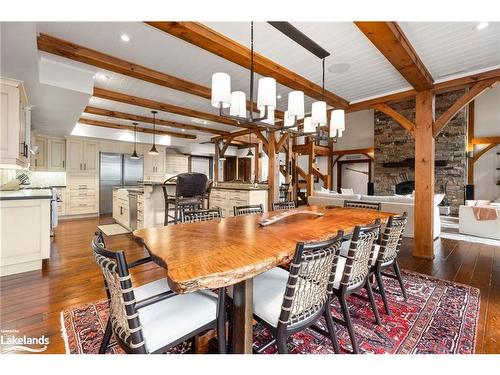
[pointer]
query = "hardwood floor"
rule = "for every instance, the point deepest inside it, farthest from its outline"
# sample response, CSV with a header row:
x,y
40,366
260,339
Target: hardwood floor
x,y
32,302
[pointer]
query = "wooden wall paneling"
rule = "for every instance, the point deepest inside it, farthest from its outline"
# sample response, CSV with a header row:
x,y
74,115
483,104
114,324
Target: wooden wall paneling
x,y
424,175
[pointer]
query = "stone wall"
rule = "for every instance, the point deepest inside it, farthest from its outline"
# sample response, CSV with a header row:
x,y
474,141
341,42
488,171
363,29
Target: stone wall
x,y
393,143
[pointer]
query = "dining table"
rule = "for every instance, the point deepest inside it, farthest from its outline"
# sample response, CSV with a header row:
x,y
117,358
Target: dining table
x,y
231,251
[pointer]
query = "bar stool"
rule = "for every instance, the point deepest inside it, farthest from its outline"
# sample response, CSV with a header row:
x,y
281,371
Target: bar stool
x,y
190,191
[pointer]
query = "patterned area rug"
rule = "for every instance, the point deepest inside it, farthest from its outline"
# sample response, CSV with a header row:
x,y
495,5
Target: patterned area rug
x,y
438,317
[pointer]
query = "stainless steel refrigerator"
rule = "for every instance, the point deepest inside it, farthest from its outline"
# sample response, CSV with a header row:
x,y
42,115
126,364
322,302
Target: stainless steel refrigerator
x,y
116,170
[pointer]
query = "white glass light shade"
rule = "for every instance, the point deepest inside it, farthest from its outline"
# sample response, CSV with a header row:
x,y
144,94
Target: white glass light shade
x,y
318,115
221,90
289,121
296,104
266,95
238,104
308,126
337,120
270,116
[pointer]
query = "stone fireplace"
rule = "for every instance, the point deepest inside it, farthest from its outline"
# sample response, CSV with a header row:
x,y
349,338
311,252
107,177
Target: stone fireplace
x,y
405,187
394,171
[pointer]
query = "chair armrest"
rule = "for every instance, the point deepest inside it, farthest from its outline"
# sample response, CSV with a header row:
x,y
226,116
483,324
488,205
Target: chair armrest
x,y
139,262
154,299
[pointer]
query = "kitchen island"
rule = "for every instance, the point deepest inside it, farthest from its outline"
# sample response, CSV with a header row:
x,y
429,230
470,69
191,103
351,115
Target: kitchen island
x,y
25,228
226,195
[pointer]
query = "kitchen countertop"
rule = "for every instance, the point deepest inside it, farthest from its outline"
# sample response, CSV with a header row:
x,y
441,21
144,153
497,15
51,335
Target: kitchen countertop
x,y
27,187
26,194
135,189
246,187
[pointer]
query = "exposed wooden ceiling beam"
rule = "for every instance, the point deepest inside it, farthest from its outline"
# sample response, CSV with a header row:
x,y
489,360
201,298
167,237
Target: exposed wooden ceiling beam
x,y
485,140
149,120
101,60
160,106
441,87
465,99
204,37
396,116
369,150
111,125
480,153
393,44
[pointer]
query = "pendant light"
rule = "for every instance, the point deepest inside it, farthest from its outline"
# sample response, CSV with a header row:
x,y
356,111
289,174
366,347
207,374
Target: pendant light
x,y
134,154
249,153
318,109
153,150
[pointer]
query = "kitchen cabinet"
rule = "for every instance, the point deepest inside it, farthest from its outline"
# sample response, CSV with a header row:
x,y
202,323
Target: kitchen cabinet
x,y
39,157
25,239
56,159
82,156
227,198
50,154
154,165
15,124
121,209
82,194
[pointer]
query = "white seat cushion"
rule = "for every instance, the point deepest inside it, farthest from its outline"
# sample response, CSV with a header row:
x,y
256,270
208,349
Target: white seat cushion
x,y
344,249
339,272
151,289
375,254
173,318
268,292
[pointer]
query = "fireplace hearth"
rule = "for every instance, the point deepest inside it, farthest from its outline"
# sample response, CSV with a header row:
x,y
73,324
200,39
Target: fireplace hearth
x,y
405,187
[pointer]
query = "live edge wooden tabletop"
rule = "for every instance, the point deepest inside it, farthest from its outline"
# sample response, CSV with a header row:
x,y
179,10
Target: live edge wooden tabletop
x,y
223,252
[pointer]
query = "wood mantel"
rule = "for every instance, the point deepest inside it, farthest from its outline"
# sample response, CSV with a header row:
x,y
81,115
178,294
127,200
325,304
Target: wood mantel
x,y
224,252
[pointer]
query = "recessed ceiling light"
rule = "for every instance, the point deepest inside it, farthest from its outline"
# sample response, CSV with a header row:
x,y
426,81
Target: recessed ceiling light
x,y
278,96
125,38
482,25
183,130
102,76
205,122
339,68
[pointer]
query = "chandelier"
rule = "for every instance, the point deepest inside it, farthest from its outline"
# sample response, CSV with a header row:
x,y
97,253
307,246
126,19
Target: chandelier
x,y
314,125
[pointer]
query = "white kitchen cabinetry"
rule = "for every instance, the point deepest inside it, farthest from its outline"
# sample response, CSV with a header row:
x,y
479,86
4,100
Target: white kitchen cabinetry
x,y
50,154
15,124
61,201
121,209
39,158
25,239
176,164
82,156
140,211
82,194
226,199
154,165
56,151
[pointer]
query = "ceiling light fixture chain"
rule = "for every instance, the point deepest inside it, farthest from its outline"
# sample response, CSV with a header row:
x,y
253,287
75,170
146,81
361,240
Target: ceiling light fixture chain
x,y
236,102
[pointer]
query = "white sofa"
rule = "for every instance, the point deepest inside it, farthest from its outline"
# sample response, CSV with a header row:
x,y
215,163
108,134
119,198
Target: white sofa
x,y
468,224
394,204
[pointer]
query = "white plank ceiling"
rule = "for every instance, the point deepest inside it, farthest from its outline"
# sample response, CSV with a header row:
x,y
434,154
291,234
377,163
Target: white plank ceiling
x,y
445,48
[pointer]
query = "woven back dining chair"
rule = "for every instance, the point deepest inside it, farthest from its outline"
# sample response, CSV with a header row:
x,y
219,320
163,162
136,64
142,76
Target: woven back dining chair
x,y
281,206
195,216
304,292
145,326
362,204
385,256
351,274
148,290
254,209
